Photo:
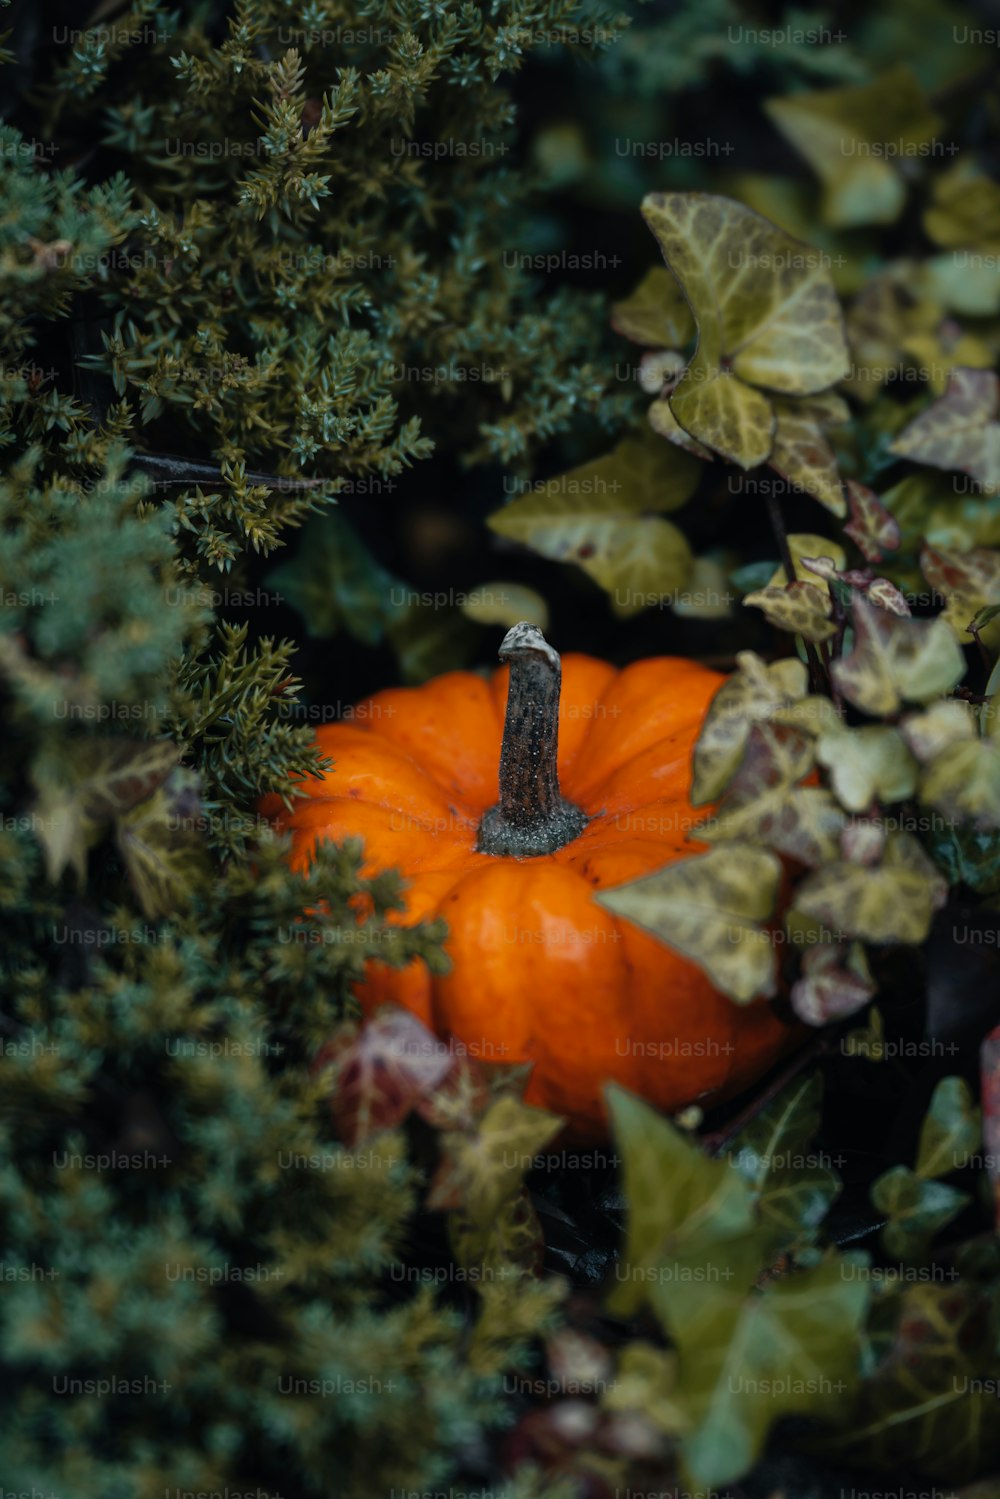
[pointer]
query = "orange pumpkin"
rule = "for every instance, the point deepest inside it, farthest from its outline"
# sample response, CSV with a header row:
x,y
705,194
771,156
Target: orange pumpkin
x,y
593,793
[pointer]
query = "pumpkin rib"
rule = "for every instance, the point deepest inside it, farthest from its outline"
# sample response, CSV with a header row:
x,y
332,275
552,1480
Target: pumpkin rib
x,y
440,728
340,818
385,775
648,702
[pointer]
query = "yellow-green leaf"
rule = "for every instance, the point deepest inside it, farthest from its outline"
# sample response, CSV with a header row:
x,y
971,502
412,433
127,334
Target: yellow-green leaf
x,y
854,138
767,315
893,901
896,660
710,909
755,692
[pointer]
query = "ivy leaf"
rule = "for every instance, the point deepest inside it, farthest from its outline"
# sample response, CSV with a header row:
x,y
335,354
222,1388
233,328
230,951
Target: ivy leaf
x,y
921,1404
835,982
805,548
764,804
509,1243
960,431
483,1170
646,1381
968,581
802,453
162,853
963,782
767,314
872,527
655,314
951,1130
708,908
916,1209
334,582
682,1206
663,422
802,608
893,901
866,764
380,1070
964,208
896,660
593,516
104,779
755,692
853,137
746,1361
506,604
792,1189
429,639
937,727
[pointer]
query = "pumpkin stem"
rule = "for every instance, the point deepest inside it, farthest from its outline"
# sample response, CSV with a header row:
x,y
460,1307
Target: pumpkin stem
x,y
532,817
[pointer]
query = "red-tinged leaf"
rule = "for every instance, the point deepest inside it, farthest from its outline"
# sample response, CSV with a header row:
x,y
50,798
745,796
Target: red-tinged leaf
x,y
887,596
989,1060
948,572
863,843
381,1071
871,526
460,1100
835,983
960,430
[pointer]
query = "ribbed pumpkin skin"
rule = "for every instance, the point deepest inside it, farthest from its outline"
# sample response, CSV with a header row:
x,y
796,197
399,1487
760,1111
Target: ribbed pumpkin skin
x,y
541,972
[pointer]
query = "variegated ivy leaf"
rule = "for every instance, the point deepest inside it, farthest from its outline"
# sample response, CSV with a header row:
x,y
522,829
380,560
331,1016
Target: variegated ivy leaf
x,y
764,804
896,660
814,715
854,137
755,692
710,908
885,595
951,1131
506,604
802,453
964,208
916,1209
748,1360
802,608
835,982
866,764
942,724
893,901
482,1170
960,751
655,313
960,431
805,548
767,315
792,1188
663,422
107,778
595,516
963,782
872,528
682,1205
968,581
